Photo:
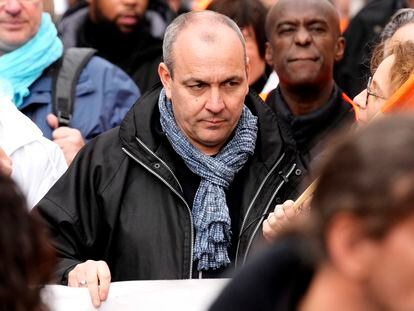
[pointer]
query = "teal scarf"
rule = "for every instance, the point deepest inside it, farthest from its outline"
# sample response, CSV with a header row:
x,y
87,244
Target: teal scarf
x,y
21,67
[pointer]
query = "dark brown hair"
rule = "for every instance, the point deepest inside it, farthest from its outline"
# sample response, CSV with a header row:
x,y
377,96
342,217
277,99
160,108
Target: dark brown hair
x,y
369,174
245,13
27,260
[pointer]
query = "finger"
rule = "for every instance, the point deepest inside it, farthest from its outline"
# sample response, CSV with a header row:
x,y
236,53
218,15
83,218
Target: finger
x,y
271,220
92,281
61,133
52,121
104,276
76,276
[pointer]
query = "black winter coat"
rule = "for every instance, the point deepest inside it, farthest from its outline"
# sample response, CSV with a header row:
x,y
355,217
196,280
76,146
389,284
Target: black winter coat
x,y
120,200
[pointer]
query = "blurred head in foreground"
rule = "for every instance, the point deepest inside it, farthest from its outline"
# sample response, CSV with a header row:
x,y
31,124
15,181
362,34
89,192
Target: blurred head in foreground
x,y
355,251
27,259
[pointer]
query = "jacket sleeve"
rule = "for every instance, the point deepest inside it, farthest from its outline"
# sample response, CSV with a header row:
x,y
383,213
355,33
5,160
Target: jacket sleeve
x,y
71,211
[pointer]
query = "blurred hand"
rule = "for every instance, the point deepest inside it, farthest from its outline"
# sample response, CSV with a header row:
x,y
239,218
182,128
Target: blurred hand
x,y
278,219
281,216
94,275
6,164
70,140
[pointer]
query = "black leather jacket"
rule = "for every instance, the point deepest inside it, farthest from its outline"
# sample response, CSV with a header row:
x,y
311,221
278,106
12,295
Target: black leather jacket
x,y
120,200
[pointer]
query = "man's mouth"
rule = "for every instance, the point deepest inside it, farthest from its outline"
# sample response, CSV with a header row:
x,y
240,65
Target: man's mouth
x,y
214,122
12,24
128,20
303,59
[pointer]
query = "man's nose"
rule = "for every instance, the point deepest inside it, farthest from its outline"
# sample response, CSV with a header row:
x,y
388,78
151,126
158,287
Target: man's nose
x,y
303,37
12,7
215,102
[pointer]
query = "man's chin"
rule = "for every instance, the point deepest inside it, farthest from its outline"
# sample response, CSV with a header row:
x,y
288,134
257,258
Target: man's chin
x,y
126,29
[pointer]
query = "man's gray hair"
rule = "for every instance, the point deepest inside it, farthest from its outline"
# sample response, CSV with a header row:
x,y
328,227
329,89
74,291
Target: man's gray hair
x,y
399,19
185,20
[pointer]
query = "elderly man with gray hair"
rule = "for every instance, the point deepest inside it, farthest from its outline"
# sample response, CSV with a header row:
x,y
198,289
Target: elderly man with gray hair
x,y
181,188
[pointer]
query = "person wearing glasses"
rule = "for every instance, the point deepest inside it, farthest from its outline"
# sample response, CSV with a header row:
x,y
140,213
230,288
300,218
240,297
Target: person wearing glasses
x,y
29,52
391,73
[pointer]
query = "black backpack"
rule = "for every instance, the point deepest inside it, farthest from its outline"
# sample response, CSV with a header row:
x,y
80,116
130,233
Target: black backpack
x,y
65,78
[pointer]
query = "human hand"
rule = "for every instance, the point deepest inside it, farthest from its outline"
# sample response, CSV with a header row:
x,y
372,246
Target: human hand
x,y
70,140
278,219
92,274
6,164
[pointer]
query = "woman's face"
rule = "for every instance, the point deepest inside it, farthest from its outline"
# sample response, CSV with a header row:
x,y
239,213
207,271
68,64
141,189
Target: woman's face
x,y
370,100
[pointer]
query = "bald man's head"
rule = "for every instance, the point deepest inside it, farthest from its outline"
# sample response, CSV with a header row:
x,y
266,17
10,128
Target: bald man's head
x,y
326,8
304,41
208,23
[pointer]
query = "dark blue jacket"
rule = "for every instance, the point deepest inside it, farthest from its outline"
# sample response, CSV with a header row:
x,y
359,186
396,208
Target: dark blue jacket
x,y
104,94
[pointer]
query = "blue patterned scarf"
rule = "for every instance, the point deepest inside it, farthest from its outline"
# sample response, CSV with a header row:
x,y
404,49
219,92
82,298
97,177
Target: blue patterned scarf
x,y
21,67
210,212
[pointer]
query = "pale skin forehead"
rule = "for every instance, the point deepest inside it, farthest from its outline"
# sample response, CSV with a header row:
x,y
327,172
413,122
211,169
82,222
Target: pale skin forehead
x,y
381,80
303,9
202,40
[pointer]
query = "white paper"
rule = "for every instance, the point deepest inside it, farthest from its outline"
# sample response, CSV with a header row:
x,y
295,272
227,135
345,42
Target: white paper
x,y
176,295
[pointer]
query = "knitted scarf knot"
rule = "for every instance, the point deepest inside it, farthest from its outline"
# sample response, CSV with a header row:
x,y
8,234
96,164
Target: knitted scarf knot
x,y
210,212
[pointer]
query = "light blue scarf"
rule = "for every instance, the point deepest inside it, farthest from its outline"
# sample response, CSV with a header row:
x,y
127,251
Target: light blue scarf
x,y
21,67
210,212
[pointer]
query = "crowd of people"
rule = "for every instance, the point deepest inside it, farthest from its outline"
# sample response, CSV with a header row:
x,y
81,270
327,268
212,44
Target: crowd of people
x,y
148,140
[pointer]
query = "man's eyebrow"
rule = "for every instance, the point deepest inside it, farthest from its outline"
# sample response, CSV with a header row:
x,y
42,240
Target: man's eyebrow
x,y
233,78
193,80
285,22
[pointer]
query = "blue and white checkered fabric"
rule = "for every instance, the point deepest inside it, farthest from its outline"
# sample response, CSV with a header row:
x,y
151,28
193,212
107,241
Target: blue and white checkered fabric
x,y
210,212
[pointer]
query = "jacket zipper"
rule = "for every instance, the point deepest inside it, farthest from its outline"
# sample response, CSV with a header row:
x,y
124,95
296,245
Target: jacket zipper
x,y
173,190
254,199
266,210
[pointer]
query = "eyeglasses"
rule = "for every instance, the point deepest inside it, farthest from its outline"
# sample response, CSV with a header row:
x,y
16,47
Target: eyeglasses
x,y
369,92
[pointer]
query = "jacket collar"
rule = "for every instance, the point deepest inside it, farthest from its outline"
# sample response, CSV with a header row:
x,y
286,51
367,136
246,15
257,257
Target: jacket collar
x,y
306,128
139,123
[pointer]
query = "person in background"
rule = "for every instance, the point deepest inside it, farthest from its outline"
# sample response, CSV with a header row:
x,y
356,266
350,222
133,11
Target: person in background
x,y
250,16
29,52
388,75
27,259
123,32
34,162
387,78
189,174
304,41
362,35
355,250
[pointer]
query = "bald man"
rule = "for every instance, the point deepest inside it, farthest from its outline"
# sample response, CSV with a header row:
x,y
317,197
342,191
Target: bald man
x,y
180,190
304,42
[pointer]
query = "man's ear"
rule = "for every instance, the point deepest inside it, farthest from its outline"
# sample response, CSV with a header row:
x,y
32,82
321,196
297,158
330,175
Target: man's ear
x,y
247,73
165,78
349,249
269,54
339,48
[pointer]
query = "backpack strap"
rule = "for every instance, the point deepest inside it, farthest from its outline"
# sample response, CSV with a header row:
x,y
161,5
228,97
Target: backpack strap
x,y
65,79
